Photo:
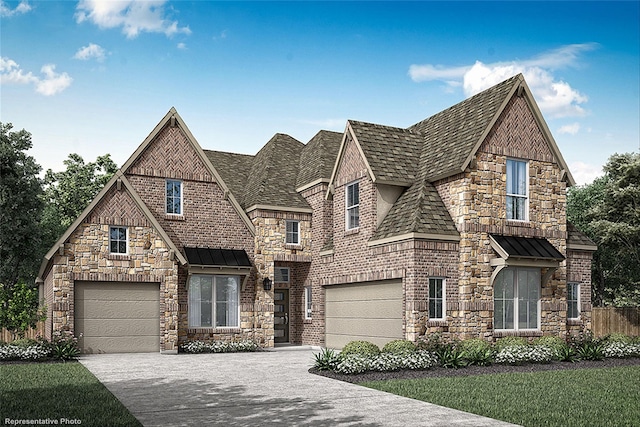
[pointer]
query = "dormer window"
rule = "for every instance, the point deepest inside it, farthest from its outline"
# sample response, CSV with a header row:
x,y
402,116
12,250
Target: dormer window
x,y
174,197
353,205
517,190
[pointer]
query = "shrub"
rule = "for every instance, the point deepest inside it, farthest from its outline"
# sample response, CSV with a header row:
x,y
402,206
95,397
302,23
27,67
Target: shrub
x,y
502,343
326,360
620,349
24,342
220,346
477,351
384,362
518,354
34,352
432,342
363,348
451,357
399,347
64,345
353,364
566,354
557,344
618,337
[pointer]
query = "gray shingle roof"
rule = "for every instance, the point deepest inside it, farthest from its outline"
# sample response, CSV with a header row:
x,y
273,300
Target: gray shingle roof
x,y
233,169
418,210
451,135
272,178
577,237
318,157
393,153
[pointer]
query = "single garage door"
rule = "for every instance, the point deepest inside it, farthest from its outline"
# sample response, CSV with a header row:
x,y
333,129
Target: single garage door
x,y
117,317
370,311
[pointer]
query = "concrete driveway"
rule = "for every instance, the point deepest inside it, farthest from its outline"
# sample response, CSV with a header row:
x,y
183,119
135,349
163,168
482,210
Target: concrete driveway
x,y
256,389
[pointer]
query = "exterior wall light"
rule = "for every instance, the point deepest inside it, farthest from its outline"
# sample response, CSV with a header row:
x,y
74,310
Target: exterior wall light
x,y
266,284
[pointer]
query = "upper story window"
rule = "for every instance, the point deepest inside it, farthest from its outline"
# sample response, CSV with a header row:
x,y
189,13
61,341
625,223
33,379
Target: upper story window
x,y
293,233
437,298
118,240
174,197
353,205
573,300
517,190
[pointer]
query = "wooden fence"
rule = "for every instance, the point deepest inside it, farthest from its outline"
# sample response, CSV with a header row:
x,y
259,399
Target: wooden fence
x,y
608,320
31,333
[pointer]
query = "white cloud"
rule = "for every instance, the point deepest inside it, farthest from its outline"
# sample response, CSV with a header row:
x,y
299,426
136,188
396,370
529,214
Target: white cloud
x,y
182,46
6,11
50,84
570,129
584,173
134,16
555,97
90,51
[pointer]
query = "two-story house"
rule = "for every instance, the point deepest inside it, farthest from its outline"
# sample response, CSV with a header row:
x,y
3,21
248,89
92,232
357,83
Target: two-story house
x,y
456,224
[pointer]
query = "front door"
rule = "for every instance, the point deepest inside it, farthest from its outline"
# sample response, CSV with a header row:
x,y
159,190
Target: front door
x,y
281,315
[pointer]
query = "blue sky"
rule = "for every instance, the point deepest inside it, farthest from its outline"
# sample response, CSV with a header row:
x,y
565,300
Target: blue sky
x,y
95,77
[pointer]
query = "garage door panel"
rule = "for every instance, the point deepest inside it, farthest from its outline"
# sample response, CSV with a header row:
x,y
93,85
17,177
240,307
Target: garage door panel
x,y
380,309
117,317
363,311
100,309
119,327
366,292
125,344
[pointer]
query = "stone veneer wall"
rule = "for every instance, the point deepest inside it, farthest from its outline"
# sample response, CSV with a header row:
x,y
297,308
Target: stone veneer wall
x,y
476,200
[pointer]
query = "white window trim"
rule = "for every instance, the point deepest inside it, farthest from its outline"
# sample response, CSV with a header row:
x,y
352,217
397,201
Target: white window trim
x,y
348,208
214,304
579,308
126,230
297,233
181,197
515,304
308,310
527,193
444,298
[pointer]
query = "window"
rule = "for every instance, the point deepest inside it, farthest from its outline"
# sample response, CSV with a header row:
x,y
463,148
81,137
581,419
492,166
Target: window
x,y
214,301
517,198
353,205
118,240
437,298
174,197
307,303
573,300
281,275
293,233
516,299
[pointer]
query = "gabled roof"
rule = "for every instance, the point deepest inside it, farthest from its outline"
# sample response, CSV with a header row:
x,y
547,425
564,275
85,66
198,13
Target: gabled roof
x,y
418,212
233,168
118,180
318,158
576,239
272,179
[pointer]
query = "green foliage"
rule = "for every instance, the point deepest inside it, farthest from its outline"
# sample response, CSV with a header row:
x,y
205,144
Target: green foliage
x,y
570,398
618,337
477,351
433,342
510,342
69,192
24,342
20,208
557,344
608,211
587,346
220,346
364,348
399,347
326,360
64,346
566,354
20,310
451,357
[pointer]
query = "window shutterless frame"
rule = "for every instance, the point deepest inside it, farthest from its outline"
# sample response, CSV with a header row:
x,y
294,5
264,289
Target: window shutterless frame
x,y
352,201
437,298
516,299
517,202
292,232
174,195
118,240
307,303
573,300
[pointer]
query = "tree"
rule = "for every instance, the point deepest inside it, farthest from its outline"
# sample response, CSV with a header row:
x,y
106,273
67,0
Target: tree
x,y
20,309
69,192
608,211
20,208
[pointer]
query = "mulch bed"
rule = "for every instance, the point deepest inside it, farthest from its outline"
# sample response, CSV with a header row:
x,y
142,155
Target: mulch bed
x,y
476,370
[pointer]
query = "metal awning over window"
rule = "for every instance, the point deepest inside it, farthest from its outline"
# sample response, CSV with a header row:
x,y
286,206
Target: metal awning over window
x,y
525,252
232,262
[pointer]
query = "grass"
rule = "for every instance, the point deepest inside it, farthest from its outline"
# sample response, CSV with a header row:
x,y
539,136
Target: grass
x,y
581,397
58,391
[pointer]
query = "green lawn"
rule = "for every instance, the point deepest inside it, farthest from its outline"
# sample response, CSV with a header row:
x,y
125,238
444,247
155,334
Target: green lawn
x,y
58,391
582,397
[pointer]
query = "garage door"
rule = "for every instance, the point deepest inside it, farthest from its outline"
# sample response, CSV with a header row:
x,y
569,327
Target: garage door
x,y
369,311
116,317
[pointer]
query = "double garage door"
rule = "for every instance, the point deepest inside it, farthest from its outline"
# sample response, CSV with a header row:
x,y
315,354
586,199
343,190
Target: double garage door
x,y
117,317
370,311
